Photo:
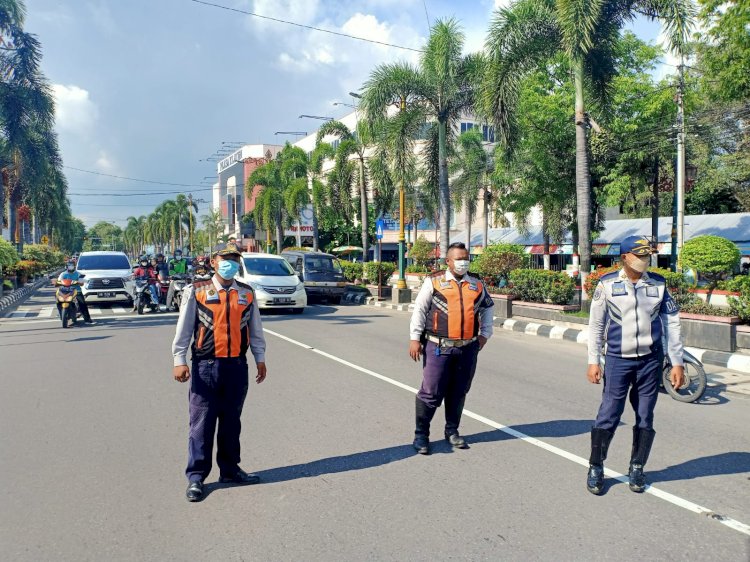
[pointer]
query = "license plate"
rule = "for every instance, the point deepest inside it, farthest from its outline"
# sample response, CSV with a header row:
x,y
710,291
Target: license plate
x,y
282,300
105,295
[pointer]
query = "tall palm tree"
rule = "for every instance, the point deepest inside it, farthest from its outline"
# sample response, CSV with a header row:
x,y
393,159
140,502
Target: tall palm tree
x,y
269,203
352,146
442,86
322,152
530,32
213,223
185,210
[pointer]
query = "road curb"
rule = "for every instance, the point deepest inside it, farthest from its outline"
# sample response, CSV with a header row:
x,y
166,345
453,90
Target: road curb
x,y
733,361
19,296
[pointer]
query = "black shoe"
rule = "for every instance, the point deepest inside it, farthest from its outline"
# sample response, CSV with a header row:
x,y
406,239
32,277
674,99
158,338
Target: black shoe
x,y
636,478
422,445
240,477
595,479
194,492
456,441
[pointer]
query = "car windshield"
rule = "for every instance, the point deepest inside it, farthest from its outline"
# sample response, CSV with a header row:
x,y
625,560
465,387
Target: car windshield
x,y
322,264
268,266
103,262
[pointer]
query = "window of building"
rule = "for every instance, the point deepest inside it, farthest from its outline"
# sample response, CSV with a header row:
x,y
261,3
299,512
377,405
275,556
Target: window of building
x,y
335,144
466,126
488,133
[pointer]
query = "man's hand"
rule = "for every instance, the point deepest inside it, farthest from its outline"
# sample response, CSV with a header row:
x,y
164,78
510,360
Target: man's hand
x,y
594,374
181,373
677,376
482,342
415,349
261,376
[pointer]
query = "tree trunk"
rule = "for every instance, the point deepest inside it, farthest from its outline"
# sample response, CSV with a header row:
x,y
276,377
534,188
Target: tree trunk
x,y
486,220
583,180
316,240
363,208
468,233
279,233
12,223
444,190
545,236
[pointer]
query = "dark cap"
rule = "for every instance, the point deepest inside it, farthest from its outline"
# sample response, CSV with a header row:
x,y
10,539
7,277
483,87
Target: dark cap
x,y
636,245
226,250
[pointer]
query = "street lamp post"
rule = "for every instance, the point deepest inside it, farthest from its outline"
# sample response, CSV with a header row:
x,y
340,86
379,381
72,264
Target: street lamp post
x,y
401,211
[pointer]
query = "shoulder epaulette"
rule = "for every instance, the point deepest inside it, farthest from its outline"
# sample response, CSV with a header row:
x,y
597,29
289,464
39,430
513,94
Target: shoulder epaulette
x,y
244,285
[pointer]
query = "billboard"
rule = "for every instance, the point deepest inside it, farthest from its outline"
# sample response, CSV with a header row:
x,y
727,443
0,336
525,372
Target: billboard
x,y
305,223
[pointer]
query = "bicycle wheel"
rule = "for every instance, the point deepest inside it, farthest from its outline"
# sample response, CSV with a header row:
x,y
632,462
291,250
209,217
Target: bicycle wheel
x,y
694,386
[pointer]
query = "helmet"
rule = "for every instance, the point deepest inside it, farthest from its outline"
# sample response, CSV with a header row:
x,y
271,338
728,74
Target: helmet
x,y
159,257
70,265
177,253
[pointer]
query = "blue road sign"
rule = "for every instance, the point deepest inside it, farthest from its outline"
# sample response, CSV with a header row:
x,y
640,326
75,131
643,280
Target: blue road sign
x,y
379,227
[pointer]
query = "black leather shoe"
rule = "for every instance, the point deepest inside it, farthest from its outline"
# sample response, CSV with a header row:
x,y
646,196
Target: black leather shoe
x,y
595,479
240,477
456,441
637,479
422,445
194,492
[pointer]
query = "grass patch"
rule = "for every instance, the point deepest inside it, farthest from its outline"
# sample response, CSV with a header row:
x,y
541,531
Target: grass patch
x,y
577,314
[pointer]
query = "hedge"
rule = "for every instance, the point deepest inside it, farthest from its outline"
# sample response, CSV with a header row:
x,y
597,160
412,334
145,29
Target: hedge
x,y
44,255
8,254
352,270
541,285
496,262
371,269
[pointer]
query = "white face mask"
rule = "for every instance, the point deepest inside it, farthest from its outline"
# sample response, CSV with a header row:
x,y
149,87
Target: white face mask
x,y
640,263
461,266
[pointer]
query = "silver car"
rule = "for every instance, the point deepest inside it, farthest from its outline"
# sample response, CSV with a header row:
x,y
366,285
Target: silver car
x,y
108,277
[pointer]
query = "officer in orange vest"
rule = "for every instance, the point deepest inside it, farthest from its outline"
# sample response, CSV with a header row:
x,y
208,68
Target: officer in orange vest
x,y
451,323
221,317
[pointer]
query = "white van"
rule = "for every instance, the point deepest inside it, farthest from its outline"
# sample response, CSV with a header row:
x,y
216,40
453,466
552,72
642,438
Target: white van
x,y
275,283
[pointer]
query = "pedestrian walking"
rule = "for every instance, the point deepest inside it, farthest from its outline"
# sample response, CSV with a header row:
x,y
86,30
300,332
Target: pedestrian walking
x,y
221,317
451,323
631,311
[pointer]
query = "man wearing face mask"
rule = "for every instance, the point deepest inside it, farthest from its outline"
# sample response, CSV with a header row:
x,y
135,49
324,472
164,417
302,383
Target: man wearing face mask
x,y
630,312
221,317
71,273
451,323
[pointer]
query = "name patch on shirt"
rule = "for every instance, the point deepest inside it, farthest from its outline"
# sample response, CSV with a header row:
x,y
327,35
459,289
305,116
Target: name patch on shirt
x,y
652,291
619,290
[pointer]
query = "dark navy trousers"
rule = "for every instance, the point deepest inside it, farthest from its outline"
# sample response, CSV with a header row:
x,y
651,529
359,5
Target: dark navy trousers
x,y
639,376
218,388
447,375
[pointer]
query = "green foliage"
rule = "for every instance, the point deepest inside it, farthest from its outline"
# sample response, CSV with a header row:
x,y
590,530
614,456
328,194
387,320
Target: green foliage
x,y
371,269
104,236
540,285
711,256
352,270
739,284
417,269
8,254
740,306
7,285
422,252
44,255
698,306
497,261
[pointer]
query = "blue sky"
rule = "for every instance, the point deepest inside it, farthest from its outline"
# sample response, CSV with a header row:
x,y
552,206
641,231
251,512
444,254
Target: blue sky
x,y
149,88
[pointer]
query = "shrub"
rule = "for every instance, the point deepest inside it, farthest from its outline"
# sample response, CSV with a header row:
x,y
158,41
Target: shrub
x,y
711,256
497,261
8,254
422,252
352,270
593,278
46,256
740,306
7,285
371,269
540,285
699,307
740,284
417,269
26,268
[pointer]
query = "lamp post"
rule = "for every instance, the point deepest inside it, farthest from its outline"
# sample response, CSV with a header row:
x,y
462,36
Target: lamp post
x,y
401,211
318,117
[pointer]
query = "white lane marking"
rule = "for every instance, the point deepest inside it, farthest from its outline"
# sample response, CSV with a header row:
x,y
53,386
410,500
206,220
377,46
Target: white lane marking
x,y
47,312
6,321
118,310
666,496
95,311
18,314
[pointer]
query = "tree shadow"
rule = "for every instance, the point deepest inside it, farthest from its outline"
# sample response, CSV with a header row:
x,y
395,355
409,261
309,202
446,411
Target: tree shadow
x,y
380,457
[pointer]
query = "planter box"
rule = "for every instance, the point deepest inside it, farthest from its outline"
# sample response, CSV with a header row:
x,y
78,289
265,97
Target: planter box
x,y
503,306
718,298
385,290
541,311
709,332
743,336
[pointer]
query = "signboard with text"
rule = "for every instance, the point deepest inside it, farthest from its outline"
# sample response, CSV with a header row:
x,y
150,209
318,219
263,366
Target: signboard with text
x,y
305,223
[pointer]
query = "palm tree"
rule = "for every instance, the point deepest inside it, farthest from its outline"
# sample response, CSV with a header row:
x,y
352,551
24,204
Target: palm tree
x,y
322,152
351,146
269,203
442,86
213,223
531,32
184,209
134,234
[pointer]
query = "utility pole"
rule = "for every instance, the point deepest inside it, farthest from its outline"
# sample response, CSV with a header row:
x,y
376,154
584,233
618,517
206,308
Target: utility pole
x,y
402,209
680,159
190,222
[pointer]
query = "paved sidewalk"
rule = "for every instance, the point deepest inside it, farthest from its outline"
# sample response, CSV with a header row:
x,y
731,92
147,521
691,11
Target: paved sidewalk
x,y
736,379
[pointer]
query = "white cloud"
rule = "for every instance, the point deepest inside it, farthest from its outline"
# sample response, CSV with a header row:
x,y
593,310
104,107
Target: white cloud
x,y
74,111
104,163
298,11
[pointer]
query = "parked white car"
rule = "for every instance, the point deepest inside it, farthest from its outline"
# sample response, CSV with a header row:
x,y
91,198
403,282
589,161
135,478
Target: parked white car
x,y
108,277
275,283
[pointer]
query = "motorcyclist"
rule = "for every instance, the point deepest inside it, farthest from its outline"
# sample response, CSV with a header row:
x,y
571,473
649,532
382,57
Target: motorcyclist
x,y
71,273
202,268
177,266
146,272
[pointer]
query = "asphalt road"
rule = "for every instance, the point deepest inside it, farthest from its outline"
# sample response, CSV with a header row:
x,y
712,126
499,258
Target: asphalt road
x,y
93,435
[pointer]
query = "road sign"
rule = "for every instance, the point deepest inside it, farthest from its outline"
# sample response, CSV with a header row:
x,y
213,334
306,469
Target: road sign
x,y
379,227
45,239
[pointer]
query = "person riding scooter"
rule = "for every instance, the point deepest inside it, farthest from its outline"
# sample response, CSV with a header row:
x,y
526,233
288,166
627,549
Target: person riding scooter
x,y
202,268
177,266
145,272
71,273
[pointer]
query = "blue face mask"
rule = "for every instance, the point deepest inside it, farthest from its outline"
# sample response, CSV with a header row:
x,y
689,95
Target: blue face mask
x,y
228,269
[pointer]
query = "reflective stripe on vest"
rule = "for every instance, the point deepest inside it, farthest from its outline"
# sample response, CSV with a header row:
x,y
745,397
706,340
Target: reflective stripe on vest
x,y
454,312
223,326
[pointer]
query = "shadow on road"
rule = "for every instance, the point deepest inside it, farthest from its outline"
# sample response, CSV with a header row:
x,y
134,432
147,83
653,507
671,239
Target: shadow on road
x,y
320,312
713,465
380,457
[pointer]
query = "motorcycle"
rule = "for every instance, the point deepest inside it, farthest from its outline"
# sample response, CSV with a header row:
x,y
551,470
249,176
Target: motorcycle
x,y
180,282
67,301
694,385
143,297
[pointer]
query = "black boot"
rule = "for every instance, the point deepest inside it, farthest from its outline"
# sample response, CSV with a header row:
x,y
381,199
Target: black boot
x,y
600,439
642,441
424,414
453,411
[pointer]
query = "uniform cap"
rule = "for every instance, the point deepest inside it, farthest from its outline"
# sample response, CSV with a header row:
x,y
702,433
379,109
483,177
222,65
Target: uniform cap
x,y
636,245
226,250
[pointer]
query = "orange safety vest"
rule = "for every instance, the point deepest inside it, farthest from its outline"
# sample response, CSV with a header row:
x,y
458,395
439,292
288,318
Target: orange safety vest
x,y
223,326
454,311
